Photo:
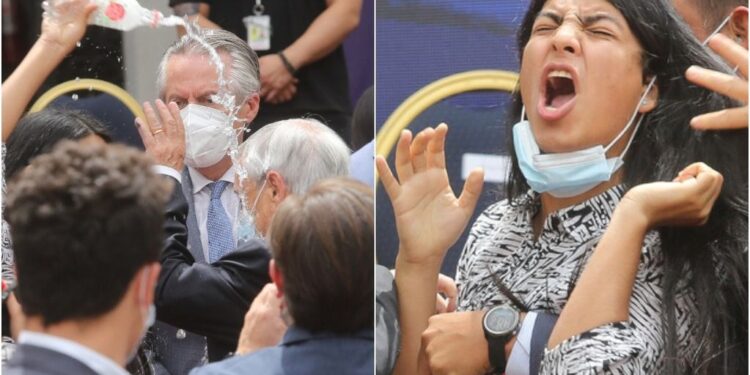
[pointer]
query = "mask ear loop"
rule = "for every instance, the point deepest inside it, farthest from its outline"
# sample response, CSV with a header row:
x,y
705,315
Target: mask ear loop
x,y
630,122
716,31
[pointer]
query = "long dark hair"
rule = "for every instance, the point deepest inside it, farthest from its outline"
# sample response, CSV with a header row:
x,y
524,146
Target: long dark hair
x,y
708,261
37,133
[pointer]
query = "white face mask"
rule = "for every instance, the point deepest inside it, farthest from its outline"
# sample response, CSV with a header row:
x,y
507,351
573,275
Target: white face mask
x,y
208,135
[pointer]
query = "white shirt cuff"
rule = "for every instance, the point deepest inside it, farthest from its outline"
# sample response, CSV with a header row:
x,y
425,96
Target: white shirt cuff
x,y
518,363
168,171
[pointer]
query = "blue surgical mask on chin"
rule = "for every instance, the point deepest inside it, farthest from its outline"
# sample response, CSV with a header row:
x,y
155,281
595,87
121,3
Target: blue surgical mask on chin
x,y
568,174
246,229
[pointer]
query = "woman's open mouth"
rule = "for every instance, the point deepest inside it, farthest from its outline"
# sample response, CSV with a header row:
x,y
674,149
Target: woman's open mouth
x,y
558,92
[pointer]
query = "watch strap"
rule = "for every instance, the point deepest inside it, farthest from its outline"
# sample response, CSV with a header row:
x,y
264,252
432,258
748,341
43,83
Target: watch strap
x,y
496,347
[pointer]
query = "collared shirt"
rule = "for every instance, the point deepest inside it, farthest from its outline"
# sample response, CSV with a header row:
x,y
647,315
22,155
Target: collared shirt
x,y
518,362
202,198
542,273
97,362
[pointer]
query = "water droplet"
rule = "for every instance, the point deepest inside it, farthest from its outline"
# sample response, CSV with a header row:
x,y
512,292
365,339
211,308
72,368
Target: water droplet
x,y
78,44
119,58
74,96
78,78
181,334
90,88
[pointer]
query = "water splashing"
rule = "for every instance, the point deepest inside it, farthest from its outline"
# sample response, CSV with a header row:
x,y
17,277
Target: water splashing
x,y
228,101
74,97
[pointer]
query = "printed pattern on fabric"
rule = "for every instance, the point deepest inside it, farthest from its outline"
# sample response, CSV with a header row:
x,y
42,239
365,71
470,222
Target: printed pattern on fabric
x,y
543,273
220,241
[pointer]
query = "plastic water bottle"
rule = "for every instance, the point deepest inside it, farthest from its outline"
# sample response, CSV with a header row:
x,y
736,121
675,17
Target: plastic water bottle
x,y
126,15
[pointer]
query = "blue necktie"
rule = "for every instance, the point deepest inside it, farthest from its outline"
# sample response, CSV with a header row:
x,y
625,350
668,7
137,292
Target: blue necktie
x,y
219,227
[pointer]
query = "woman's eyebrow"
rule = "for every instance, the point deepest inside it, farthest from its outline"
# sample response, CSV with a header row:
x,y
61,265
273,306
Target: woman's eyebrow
x,y
592,19
552,15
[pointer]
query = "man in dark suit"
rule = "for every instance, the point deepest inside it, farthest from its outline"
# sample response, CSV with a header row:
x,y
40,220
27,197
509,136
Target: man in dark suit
x,y
86,225
280,160
188,77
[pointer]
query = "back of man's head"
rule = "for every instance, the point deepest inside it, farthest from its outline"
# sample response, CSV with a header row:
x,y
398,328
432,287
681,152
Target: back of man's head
x,y
323,245
244,73
83,220
303,151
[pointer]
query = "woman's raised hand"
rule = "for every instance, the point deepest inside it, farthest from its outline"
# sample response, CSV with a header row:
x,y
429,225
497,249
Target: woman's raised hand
x,y
64,22
429,217
725,84
686,201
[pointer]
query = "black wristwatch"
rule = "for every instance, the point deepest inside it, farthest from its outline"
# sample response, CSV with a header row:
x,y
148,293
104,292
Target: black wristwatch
x,y
500,324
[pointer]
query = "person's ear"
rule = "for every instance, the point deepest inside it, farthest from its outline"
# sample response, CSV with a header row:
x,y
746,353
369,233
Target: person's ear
x,y
145,283
650,100
738,25
277,186
250,108
276,277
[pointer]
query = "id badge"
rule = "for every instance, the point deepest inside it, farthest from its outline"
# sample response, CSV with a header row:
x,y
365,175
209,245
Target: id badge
x,y
258,32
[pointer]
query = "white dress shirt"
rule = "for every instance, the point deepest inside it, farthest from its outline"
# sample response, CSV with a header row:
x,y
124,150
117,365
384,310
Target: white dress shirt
x,y
94,360
518,363
202,198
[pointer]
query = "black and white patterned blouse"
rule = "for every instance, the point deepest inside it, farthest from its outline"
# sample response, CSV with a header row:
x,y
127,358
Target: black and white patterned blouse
x,y
543,273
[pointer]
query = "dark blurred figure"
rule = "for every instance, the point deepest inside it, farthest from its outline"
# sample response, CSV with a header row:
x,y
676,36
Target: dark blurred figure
x,y
363,120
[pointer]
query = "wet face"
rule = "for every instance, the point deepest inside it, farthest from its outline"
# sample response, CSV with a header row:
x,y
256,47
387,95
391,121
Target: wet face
x,y
581,76
192,79
264,208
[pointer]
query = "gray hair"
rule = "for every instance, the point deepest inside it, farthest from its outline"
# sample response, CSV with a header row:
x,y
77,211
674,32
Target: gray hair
x,y
243,74
303,151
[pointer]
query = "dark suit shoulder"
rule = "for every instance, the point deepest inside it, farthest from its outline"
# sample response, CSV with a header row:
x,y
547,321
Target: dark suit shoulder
x,y
319,356
34,360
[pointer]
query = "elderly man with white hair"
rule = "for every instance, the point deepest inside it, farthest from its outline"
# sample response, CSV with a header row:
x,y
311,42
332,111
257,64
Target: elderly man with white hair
x,y
288,157
281,159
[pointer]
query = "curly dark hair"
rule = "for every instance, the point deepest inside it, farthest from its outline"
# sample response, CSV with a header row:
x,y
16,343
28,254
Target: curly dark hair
x,y
84,220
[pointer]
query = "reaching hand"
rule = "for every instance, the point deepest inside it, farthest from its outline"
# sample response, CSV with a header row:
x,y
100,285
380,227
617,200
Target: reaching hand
x,y
263,326
446,286
429,217
725,84
686,201
454,344
277,84
64,22
163,135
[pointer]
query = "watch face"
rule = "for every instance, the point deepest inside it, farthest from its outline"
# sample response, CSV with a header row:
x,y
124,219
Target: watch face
x,y
501,320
